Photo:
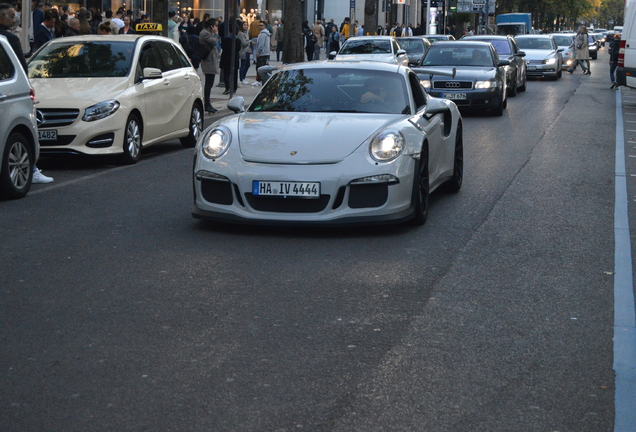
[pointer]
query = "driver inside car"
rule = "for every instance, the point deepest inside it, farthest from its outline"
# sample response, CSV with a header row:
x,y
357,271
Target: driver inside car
x,y
376,93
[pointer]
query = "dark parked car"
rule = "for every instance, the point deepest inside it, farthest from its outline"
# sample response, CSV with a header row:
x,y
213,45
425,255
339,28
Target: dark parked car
x,y
480,78
507,48
415,47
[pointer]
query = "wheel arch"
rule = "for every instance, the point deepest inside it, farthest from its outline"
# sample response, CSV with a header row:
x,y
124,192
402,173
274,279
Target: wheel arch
x,y
26,131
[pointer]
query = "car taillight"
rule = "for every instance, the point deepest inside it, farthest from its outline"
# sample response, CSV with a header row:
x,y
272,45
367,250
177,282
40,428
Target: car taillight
x,y
32,95
621,54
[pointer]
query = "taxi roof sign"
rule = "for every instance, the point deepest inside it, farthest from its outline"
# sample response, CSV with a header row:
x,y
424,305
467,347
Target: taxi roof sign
x,y
141,27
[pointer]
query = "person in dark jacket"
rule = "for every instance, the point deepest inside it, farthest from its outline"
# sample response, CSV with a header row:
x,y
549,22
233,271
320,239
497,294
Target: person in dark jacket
x,y
7,15
189,41
73,27
230,70
613,49
95,22
44,33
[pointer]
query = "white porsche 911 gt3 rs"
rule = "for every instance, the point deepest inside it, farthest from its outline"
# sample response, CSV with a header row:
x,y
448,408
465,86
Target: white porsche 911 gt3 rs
x,y
330,143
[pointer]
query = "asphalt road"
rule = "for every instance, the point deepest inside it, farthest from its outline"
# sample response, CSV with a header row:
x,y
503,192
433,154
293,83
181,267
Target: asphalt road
x,y
120,312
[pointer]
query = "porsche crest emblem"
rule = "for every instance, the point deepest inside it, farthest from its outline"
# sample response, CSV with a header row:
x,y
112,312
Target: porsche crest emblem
x,y
293,153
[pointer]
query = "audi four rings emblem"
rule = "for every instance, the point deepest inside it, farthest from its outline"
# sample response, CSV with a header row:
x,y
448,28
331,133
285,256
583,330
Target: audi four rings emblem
x,y
452,84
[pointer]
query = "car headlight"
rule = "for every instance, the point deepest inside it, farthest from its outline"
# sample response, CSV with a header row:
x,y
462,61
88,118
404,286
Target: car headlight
x,y
387,146
549,61
216,142
100,110
426,84
485,84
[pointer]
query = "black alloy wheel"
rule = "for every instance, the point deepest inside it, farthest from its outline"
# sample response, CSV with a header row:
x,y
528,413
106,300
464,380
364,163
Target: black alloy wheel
x,y
454,184
421,188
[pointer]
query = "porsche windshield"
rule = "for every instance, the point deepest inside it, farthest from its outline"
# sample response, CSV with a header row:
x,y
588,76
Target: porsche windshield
x,y
366,46
334,90
82,60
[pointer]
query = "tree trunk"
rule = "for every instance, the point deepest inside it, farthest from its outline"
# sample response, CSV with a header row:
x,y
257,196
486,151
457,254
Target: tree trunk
x,y
370,16
293,50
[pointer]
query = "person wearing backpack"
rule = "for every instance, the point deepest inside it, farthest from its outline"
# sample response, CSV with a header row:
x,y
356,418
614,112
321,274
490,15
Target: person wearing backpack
x,y
209,53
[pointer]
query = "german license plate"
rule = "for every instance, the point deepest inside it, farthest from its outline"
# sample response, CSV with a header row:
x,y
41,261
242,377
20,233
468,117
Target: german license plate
x,y
455,96
47,135
532,68
286,189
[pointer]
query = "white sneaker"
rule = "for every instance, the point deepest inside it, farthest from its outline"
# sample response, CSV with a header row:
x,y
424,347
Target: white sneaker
x,y
256,83
245,82
39,178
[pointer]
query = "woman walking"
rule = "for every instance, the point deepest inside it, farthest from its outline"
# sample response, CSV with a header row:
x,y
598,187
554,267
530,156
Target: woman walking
x,y
209,39
246,50
581,52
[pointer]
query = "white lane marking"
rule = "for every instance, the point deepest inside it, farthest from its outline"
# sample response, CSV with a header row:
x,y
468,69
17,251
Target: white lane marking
x,y
624,309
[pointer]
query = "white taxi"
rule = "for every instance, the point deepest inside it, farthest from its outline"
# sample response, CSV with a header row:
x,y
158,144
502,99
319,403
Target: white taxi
x,y
114,95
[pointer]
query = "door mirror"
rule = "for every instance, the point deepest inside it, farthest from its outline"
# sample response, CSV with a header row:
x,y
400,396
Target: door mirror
x,y
152,73
236,104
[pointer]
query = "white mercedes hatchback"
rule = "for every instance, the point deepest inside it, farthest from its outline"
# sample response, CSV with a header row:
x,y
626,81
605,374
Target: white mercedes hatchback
x,y
114,95
19,149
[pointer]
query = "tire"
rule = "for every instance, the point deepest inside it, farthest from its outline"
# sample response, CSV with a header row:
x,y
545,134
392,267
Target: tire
x,y
522,88
421,188
560,73
132,140
455,182
513,89
499,110
195,126
16,172
594,55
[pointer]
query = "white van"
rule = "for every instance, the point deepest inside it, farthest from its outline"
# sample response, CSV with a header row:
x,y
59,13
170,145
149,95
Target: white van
x,y
626,70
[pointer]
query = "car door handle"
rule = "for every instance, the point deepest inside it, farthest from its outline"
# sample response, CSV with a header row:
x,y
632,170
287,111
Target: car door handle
x,y
2,97
187,76
166,82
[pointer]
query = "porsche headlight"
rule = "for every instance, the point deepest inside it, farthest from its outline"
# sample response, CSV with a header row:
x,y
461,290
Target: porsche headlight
x,y
216,142
100,110
549,61
485,84
387,146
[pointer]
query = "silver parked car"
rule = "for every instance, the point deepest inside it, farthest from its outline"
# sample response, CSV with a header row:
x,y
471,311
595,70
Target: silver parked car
x,y
330,143
19,147
565,40
543,55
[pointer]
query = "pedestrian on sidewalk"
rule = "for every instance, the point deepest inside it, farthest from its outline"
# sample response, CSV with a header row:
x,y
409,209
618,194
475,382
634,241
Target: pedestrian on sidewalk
x,y
262,48
613,48
208,39
279,40
230,43
244,54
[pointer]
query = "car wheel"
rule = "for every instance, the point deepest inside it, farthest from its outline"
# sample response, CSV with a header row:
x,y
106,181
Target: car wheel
x,y
513,89
500,107
455,182
560,73
195,127
594,55
132,140
421,188
16,173
522,88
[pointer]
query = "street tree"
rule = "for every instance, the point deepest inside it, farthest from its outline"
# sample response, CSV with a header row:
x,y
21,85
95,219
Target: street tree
x,y
293,35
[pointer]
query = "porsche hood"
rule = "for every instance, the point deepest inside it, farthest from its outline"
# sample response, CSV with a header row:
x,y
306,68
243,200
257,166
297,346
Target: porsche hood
x,y
305,138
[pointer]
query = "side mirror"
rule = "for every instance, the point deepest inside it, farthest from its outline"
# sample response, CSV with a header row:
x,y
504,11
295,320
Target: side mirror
x,y
332,55
435,106
521,53
503,62
152,73
560,49
236,104
401,52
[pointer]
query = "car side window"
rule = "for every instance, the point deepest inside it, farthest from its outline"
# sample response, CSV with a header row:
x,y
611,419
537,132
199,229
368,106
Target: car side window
x,y
169,57
148,58
182,57
418,91
7,70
